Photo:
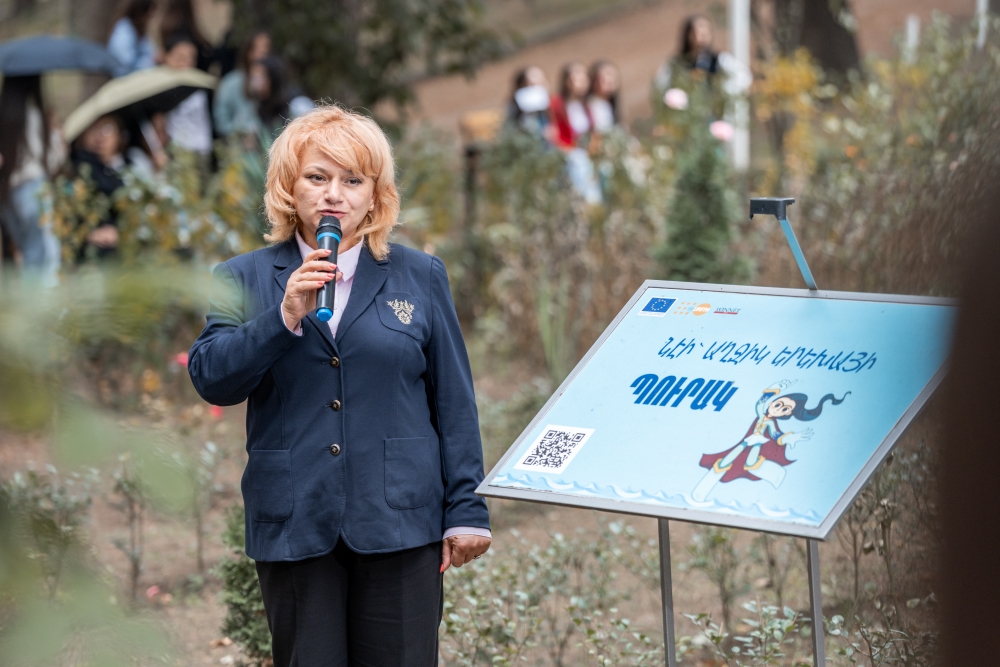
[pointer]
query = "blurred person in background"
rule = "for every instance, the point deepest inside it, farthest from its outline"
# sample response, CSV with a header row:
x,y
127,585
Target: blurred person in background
x,y
228,52
569,107
697,62
235,110
33,149
278,99
602,100
179,18
100,155
189,124
530,103
129,42
697,54
573,127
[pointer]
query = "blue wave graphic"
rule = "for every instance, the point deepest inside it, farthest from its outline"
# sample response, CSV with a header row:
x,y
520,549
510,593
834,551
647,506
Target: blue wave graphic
x,y
682,500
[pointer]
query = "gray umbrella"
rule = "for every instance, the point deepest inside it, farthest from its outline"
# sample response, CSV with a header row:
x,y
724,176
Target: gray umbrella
x,y
37,55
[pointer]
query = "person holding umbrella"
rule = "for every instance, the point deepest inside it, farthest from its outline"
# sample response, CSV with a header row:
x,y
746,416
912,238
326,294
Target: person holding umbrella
x,y
32,149
29,143
98,155
142,99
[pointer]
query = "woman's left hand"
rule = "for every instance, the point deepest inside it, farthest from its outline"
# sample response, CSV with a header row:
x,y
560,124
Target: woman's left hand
x,y
458,550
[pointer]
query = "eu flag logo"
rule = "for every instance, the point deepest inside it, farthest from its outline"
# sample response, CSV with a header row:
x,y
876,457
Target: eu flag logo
x,y
657,307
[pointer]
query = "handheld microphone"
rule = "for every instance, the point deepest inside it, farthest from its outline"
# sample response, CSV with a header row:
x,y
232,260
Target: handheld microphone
x,y
327,237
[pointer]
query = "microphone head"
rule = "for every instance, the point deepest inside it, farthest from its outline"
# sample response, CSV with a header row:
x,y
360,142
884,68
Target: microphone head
x,y
329,223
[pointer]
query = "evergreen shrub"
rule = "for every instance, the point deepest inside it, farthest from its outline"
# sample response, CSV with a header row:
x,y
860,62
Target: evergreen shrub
x,y
245,621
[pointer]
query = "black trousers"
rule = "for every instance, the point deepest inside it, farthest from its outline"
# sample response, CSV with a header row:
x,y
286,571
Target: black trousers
x,y
346,609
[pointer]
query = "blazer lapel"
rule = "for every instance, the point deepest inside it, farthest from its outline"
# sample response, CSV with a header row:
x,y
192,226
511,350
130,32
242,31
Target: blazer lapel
x,y
286,261
368,280
322,327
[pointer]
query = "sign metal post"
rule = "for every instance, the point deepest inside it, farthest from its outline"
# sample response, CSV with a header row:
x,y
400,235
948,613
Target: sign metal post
x,y
667,592
778,207
816,604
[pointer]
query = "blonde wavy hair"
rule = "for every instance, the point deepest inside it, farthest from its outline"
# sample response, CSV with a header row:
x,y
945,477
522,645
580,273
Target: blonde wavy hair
x,y
354,142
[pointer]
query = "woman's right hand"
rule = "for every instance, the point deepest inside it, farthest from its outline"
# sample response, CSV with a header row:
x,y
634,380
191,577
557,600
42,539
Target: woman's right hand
x,y
300,291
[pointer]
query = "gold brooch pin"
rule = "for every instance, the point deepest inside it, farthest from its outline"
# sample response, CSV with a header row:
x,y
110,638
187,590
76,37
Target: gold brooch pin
x,y
403,310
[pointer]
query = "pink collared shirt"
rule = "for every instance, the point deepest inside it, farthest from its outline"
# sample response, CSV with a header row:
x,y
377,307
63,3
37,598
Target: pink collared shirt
x,y
347,265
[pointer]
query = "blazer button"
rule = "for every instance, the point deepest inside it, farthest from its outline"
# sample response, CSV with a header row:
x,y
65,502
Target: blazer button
x,y
334,449
335,362
335,405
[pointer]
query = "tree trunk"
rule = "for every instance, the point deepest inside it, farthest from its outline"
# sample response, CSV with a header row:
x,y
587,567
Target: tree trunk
x,y
829,42
814,24
788,25
22,6
91,19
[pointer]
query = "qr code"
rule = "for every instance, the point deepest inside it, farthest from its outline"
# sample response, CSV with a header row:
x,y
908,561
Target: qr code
x,y
554,448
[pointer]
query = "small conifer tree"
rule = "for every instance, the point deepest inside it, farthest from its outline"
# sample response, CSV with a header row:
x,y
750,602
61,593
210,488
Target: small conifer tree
x,y
245,621
702,210
700,216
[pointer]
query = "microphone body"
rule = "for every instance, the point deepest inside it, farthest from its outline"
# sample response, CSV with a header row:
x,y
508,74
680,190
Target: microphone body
x,y
328,237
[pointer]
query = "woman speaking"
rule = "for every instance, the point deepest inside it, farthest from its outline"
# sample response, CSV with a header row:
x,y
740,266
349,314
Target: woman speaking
x,y
362,432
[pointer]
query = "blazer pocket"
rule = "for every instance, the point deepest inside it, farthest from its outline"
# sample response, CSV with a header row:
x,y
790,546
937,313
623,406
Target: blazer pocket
x,y
402,312
412,472
267,485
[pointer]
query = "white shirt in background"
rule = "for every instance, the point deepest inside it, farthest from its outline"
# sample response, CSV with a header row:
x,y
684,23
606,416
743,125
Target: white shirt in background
x,y
190,125
601,113
579,120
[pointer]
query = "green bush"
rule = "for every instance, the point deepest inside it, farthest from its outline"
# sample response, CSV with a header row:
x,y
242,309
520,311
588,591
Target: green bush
x,y
714,552
50,511
772,632
176,215
556,605
501,421
245,621
564,267
889,174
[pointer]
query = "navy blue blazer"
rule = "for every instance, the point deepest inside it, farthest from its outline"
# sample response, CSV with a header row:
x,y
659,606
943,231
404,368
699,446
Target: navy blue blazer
x,y
372,438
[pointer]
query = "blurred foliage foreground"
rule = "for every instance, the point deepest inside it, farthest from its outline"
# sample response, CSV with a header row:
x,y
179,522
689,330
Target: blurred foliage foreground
x,y
887,172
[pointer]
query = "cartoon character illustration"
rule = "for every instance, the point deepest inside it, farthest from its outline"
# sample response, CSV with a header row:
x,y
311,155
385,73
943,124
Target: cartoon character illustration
x,y
761,453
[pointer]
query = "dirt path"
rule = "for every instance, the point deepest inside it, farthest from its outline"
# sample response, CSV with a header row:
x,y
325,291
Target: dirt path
x,y
638,41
